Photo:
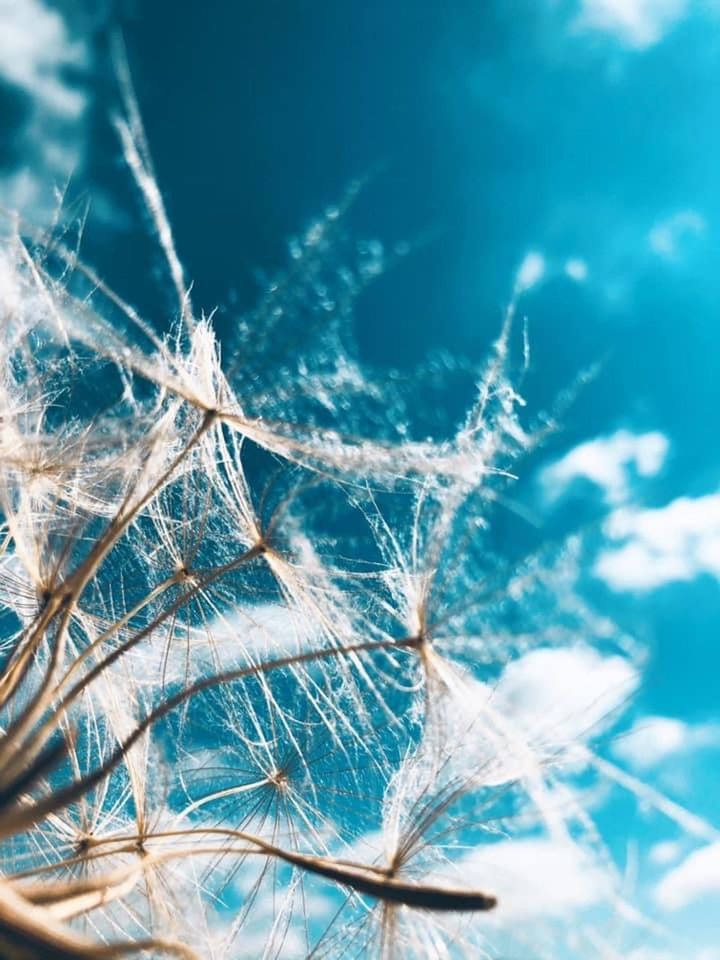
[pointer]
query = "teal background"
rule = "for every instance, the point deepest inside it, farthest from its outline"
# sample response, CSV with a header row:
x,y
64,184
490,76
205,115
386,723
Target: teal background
x,y
485,130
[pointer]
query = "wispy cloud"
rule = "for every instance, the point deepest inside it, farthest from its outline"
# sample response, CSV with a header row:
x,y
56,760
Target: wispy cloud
x,y
656,953
698,875
609,463
664,852
530,272
561,695
669,236
636,24
35,49
576,268
656,739
677,542
37,54
537,877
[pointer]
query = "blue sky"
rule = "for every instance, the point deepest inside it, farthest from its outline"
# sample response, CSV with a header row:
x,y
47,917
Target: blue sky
x,y
566,150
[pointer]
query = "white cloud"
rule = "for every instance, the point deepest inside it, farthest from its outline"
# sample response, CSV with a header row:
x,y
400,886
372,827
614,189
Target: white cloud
x,y
655,953
697,876
576,269
536,878
663,853
652,741
636,24
668,236
35,47
677,542
561,695
251,634
655,739
608,462
530,272
545,705
36,51
261,631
